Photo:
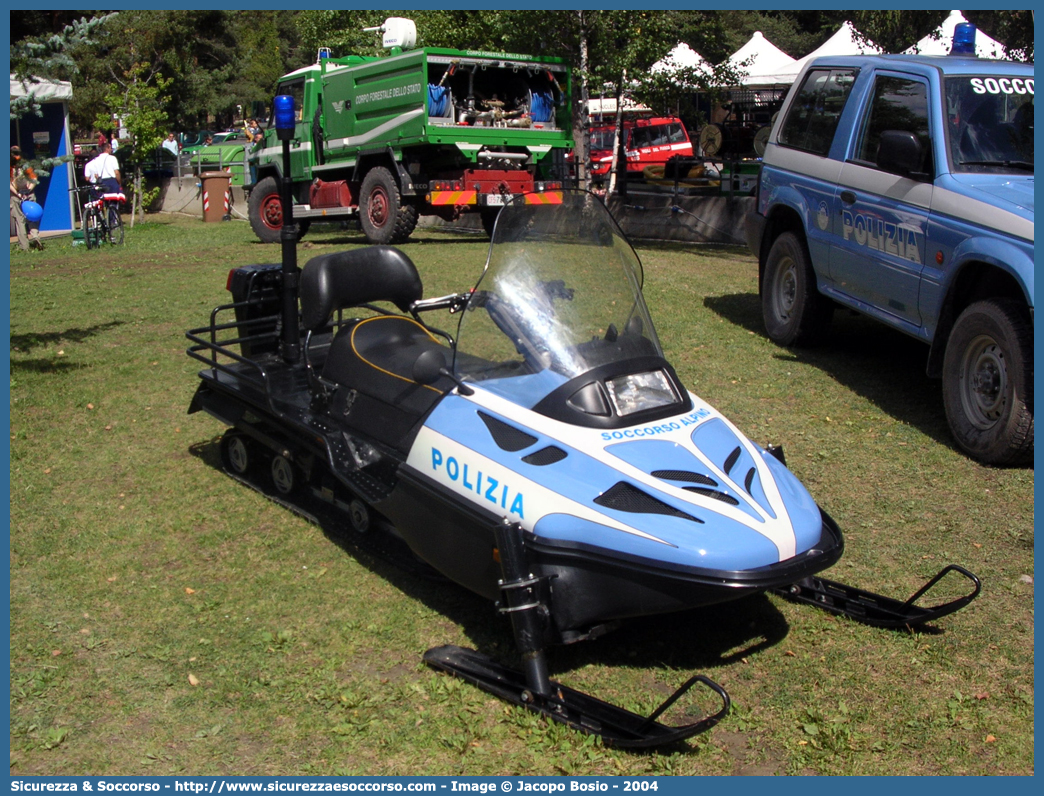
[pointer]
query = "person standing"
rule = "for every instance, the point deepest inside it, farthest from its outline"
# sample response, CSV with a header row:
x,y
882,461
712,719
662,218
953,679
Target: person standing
x,y
253,153
171,145
104,171
23,184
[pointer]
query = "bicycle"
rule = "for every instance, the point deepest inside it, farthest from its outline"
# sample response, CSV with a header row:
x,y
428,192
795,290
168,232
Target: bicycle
x,y
101,220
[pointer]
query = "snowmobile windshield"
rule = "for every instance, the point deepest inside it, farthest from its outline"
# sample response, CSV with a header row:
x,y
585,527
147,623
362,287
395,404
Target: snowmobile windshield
x,y
560,297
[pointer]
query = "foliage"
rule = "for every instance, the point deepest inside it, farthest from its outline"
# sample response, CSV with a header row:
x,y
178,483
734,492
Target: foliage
x,y
894,31
136,98
1014,29
48,57
223,64
716,34
344,31
220,63
265,43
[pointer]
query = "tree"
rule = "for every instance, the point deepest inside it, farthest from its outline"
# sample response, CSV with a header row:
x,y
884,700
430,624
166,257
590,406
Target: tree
x,y
216,60
626,42
1013,29
266,43
48,57
894,31
136,98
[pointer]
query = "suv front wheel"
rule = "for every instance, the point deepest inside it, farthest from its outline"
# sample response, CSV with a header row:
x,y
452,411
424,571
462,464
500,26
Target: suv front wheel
x,y
793,310
988,382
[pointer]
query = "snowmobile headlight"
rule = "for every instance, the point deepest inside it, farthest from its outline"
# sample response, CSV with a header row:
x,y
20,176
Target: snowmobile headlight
x,y
640,391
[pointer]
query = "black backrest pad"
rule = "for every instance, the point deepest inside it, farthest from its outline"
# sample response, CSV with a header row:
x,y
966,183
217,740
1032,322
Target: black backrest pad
x,y
337,280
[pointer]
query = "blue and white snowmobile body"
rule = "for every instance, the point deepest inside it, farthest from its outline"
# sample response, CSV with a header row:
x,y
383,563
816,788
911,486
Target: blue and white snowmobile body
x,y
635,496
546,456
701,512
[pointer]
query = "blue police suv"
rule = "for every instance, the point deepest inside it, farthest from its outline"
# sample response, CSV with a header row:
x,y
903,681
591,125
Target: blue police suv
x,y
901,186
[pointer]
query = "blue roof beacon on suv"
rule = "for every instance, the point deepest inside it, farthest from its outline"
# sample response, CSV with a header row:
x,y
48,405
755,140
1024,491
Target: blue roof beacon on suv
x,y
901,186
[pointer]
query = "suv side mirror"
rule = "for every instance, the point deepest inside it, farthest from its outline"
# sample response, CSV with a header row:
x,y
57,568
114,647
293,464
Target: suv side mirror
x,y
900,152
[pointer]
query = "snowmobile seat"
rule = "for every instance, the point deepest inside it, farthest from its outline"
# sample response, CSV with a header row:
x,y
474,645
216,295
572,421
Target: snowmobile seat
x,y
371,363
334,281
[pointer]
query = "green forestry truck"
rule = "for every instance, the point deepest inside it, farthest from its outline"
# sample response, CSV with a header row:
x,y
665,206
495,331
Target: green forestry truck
x,y
426,131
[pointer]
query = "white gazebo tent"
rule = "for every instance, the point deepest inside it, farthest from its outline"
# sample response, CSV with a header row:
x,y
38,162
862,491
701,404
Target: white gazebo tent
x,y
938,42
845,41
759,56
681,57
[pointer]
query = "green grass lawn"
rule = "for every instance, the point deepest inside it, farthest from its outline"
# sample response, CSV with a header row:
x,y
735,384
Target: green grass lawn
x,y
166,619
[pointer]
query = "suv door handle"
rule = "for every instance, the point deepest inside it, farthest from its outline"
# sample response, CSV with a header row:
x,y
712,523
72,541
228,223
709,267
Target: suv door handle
x,y
848,197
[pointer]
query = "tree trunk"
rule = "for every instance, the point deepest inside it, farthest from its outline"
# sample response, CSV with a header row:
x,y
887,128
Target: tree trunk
x,y
581,125
136,200
617,139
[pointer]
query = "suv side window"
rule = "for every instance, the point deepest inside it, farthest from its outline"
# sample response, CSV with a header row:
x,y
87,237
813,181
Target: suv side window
x,y
812,119
640,138
658,135
898,104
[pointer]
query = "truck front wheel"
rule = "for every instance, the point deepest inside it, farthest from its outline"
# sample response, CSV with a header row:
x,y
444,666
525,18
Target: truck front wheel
x,y
988,382
384,217
266,212
793,310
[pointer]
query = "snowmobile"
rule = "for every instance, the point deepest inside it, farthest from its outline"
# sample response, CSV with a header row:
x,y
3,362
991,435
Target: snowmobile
x,y
543,453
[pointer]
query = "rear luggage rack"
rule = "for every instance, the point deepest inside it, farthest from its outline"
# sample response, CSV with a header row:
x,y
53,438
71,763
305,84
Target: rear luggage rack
x,y
216,353
257,371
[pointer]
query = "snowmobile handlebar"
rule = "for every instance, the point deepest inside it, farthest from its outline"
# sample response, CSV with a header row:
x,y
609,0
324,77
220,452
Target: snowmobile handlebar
x,y
454,302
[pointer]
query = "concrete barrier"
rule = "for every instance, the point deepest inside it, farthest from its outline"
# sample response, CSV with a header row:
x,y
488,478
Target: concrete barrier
x,y
184,195
648,216
659,216
691,219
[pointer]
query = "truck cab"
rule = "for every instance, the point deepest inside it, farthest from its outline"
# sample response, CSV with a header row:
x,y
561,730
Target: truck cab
x,y
902,187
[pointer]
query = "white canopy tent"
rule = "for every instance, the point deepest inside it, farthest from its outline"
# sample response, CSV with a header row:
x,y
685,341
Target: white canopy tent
x,y
44,90
938,43
845,41
759,56
681,57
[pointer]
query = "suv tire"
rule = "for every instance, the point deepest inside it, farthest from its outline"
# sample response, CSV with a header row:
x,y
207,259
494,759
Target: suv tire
x,y
793,310
988,382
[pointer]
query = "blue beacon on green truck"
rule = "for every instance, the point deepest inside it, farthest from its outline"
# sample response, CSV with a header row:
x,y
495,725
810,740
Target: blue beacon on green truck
x,y
901,186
